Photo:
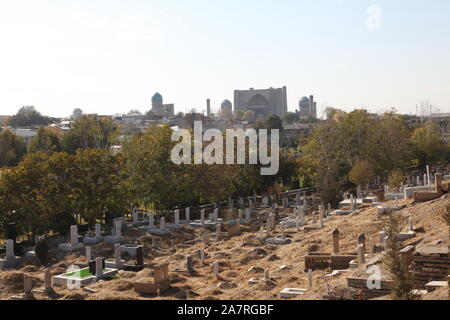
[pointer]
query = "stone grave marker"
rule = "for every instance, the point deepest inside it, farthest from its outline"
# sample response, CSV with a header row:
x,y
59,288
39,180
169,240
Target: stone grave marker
x,y
240,214
361,255
99,267
177,217
202,216
190,263
88,253
218,231
267,274
310,279
362,241
140,256
27,285
247,215
216,268
48,280
205,235
335,234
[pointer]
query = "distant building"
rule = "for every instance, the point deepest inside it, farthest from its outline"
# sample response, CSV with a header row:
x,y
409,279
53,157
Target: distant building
x,y
263,102
226,109
293,131
4,120
26,134
226,104
307,108
161,109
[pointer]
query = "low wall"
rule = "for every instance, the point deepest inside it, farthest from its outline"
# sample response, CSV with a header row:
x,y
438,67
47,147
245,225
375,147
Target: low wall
x,y
409,192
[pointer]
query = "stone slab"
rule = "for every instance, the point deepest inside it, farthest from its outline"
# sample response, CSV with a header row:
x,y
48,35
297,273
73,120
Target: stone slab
x,y
289,293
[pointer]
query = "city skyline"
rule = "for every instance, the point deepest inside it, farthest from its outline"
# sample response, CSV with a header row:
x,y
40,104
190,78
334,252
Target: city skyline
x,y
112,57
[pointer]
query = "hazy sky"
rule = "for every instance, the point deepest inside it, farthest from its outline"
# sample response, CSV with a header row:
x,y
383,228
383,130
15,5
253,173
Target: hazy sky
x,y
109,56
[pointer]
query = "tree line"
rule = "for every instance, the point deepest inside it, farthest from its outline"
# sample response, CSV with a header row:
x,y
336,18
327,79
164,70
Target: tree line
x,y
350,149
59,179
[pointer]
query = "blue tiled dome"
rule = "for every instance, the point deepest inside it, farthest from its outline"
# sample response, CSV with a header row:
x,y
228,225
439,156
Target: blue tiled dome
x,y
226,104
157,97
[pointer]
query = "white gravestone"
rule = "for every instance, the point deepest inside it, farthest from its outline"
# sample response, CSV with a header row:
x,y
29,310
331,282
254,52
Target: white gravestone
x,y
10,249
310,279
216,268
247,215
205,235
98,231
321,220
202,257
117,253
361,255
188,214
202,216
74,235
177,217
302,215
151,220
218,232
48,279
118,229
88,253
240,214
99,267
267,274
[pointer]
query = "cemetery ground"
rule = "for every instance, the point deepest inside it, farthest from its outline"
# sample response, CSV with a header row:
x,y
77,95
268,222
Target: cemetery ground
x,y
240,259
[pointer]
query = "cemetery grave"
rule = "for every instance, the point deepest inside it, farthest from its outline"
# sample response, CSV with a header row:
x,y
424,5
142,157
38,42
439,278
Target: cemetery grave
x,y
222,256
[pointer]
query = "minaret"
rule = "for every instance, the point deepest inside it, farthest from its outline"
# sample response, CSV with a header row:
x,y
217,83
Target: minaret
x,y
311,106
208,108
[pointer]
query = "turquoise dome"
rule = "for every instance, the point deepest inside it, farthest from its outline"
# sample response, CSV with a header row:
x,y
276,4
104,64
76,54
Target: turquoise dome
x,y
226,104
157,97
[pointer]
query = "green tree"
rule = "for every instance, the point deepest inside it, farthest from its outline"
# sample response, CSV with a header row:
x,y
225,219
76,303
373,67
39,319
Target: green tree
x,y
356,130
249,116
361,173
97,184
90,132
12,148
403,282
291,117
273,122
28,116
429,147
389,146
45,141
21,195
325,159
396,178
134,111
152,174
